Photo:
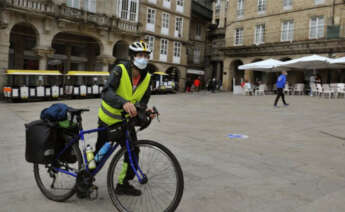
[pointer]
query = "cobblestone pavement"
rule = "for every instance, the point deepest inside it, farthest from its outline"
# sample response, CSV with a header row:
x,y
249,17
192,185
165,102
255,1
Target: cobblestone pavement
x,y
292,160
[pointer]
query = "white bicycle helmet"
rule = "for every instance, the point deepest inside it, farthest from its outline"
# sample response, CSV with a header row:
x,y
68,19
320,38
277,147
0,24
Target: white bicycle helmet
x,y
139,46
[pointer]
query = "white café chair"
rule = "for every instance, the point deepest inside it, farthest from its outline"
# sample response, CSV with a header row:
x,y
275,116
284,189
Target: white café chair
x,y
287,89
327,90
299,88
340,90
318,89
248,89
261,90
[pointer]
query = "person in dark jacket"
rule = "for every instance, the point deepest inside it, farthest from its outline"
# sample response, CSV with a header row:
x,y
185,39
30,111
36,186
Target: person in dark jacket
x,y
280,87
127,85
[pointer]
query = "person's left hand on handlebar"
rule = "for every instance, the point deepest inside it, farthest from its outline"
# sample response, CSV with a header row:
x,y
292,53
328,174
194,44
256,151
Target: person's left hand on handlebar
x,y
152,113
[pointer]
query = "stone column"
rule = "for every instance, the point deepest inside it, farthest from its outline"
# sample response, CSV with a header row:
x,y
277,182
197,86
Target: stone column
x,y
105,60
227,75
4,54
43,53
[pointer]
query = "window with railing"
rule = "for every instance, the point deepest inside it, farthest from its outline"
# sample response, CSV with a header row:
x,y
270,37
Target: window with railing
x,y
151,16
317,26
178,27
196,55
90,5
165,23
198,31
240,8
239,36
287,31
287,4
151,43
164,50
177,52
128,9
179,6
261,5
259,34
73,3
319,2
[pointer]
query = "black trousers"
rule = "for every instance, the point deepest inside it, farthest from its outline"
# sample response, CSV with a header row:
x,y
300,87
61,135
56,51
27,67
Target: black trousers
x,y
280,93
103,138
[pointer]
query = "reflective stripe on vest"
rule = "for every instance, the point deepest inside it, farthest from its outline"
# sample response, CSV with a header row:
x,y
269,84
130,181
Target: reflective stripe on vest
x,y
110,115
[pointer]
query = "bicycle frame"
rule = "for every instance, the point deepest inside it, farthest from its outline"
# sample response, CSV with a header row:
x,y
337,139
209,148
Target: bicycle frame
x,y
132,158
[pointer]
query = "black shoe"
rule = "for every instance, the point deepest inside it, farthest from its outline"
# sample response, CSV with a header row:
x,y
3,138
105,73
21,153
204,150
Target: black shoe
x,y
127,189
286,104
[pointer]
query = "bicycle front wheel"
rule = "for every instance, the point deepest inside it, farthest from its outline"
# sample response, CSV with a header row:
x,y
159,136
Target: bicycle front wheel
x,y
55,185
164,187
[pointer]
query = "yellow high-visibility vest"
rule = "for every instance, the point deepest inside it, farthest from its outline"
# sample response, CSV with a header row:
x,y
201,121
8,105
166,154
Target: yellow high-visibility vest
x,y
111,115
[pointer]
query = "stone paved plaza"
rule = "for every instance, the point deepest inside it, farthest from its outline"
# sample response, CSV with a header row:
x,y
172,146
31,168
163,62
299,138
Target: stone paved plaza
x,y
292,160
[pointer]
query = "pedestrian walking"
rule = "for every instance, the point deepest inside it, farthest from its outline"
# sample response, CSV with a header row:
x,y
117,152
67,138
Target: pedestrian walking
x,y
197,84
280,87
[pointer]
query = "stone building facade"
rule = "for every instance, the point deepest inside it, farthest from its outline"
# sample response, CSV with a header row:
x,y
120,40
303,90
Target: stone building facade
x,y
283,30
77,35
198,46
92,35
165,25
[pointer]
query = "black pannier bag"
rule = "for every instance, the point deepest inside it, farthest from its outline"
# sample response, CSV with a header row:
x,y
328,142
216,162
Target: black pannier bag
x,y
40,142
63,139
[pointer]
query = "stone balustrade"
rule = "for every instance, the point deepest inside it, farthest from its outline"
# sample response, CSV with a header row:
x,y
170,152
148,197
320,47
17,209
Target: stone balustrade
x,y
127,26
32,5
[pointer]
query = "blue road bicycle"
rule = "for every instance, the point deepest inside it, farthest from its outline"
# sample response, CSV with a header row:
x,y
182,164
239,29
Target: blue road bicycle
x,y
158,173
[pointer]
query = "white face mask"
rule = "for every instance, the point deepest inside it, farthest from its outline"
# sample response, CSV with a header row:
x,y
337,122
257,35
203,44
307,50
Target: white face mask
x,y
141,62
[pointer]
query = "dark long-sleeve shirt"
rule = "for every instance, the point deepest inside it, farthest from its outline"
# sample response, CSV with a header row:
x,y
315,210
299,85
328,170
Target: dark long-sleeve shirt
x,y
109,91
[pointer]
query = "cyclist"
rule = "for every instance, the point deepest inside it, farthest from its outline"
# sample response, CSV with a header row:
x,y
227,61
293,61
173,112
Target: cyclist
x,y
128,84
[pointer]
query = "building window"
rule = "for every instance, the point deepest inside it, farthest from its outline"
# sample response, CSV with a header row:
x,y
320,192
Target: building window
x,y
239,36
319,2
90,5
129,9
287,30
153,1
240,8
259,34
166,3
151,42
73,3
198,31
178,27
261,5
317,25
164,50
196,55
287,4
177,52
179,6
165,23
151,16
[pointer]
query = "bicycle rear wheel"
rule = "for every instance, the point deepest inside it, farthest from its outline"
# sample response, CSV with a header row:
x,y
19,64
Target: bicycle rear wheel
x,y
164,188
58,186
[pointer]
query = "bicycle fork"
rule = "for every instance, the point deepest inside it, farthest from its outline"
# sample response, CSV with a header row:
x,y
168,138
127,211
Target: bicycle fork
x,y
133,161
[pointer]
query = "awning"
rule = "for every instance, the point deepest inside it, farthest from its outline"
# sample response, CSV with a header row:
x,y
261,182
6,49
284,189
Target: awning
x,y
87,73
195,71
33,72
265,65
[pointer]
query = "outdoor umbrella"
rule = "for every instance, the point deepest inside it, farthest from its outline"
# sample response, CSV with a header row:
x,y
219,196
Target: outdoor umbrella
x,y
307,63
265,65
338,61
